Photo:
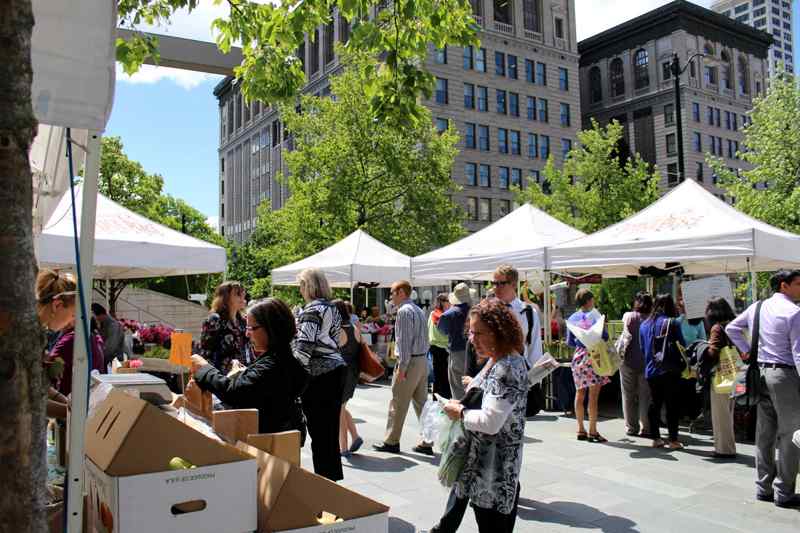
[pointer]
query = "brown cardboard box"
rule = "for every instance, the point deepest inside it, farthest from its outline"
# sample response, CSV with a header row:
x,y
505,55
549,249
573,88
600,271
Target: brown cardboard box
x,y
291,499
129,445
236,424
285,445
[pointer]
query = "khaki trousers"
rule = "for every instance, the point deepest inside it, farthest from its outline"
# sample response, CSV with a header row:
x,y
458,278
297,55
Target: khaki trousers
x,y
635,399
722,423
413,388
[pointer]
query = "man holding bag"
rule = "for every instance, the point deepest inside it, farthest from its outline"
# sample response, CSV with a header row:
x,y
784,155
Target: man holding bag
x,y
778,357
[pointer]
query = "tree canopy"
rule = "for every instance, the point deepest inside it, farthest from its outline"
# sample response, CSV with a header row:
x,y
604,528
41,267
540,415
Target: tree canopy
x,y
270,34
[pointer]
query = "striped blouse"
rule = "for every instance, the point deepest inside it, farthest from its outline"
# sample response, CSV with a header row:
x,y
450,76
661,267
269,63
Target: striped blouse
x,y
316,345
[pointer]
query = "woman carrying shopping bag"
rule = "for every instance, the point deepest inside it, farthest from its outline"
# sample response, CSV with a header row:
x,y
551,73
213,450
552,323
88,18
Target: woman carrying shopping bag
x,y
489,479
718,315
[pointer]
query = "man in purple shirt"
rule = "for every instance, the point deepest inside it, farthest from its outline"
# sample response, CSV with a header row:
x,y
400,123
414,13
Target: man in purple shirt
x,y
778,355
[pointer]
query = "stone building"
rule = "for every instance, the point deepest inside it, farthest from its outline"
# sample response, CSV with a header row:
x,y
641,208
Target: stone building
x,y
625,75
515,101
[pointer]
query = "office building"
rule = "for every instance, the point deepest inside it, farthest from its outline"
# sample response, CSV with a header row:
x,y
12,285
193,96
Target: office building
x,y
775,17
626,75
515,101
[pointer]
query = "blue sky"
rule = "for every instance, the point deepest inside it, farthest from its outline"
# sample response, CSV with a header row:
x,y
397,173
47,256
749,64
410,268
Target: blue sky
x,y
168,119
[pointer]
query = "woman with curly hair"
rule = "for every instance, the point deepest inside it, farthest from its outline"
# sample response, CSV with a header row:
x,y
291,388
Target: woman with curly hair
x,y
223,339
490,477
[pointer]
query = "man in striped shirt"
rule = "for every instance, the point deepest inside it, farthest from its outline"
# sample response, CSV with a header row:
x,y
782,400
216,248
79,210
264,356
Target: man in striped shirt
x,y
410,379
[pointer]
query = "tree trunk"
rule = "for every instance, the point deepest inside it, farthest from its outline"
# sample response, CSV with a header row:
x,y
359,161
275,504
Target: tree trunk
x,y
22,387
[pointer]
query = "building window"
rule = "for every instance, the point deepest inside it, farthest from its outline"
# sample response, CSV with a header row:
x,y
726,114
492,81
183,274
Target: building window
x,y
696,111
532,15
441,56
344,29
441,91
712,143
512,67
477,7
480,60
470,174
717,115
483,138
501,102
543,113
502,11
672,174
666,70
503,178
485,176
710,75
515,144
710,115
486,205
595,85
500,63
313,60
735,121
566,148
483,98
533,146
728,122
563,79
469,135
669,115
672,145
541,74
472,208
559,28
442,124
726,70
503,207
327,43
641,69
699,172
743,76
566,119
544,146
469,96
730,149
697,142
529,71
516,178
531,108
617,78
276,133
513,104
502,140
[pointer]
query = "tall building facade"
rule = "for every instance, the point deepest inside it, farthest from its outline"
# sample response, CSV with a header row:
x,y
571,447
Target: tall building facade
x,y
515,101
775,17
625,75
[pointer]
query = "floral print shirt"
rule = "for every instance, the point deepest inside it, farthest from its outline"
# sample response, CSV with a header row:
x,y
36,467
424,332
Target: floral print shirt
x,y
491,470
222,341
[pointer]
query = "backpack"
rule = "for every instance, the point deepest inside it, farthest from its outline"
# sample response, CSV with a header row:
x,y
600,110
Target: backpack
x,y
527,310
665,352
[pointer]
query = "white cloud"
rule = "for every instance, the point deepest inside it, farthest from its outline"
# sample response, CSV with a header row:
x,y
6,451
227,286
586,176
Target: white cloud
x,y
150,74
213,222
595,16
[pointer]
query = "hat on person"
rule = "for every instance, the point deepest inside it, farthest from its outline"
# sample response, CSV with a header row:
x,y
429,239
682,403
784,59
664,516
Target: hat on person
x,y
460,295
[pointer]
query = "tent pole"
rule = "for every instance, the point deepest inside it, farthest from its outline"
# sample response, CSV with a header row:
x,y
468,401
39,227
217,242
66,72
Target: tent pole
x,y
753,282
108,296
80,365
547,308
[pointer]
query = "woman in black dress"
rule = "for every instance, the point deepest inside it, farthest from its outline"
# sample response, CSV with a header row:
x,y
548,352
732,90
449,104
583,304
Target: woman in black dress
x,y
350,349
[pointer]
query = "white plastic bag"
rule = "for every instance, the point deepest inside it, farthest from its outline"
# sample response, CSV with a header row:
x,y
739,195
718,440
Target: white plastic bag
x,y
432,419
453,443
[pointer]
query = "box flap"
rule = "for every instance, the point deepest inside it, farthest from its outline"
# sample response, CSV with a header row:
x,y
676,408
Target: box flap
x,y
284,445
235,424
128,436
304,496
272,473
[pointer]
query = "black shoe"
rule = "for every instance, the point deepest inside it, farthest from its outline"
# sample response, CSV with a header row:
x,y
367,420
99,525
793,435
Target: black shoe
x,y
388,448
725,456
791,503
765,498
424,450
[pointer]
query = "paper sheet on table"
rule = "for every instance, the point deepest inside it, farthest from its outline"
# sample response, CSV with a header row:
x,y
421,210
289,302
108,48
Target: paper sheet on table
x,y
589,337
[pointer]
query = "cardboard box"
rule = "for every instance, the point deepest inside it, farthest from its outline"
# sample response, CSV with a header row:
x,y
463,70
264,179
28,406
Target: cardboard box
x,y
291,499
284,445
235,425
129,444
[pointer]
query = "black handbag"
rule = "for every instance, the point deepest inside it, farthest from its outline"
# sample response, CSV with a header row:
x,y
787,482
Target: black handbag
x,y
748,382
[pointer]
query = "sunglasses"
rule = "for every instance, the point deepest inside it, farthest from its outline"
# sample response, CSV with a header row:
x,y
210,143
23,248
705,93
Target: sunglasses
x,y
500,283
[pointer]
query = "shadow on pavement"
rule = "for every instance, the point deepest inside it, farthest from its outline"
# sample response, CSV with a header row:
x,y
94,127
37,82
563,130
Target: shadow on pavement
x,y
741,459
397,525
568,513
370,463
644,451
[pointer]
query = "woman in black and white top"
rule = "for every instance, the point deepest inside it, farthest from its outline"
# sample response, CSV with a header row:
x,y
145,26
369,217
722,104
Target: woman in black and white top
x,y
316,346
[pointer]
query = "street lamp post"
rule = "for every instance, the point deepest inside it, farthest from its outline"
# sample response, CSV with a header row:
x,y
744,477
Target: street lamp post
x,y
677,71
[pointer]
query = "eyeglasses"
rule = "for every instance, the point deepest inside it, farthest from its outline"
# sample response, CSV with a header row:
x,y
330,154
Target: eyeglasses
x,y
252,328
497,284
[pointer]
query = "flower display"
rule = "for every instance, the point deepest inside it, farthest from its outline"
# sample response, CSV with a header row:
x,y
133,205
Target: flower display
x,y
155,334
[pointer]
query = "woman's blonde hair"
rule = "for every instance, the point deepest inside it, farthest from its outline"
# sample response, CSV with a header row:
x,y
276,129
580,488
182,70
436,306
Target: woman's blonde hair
x,y
222,296
315,284
51,286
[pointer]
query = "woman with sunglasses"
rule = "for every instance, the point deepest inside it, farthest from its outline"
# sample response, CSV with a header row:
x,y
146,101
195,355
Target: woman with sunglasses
x,y
274,382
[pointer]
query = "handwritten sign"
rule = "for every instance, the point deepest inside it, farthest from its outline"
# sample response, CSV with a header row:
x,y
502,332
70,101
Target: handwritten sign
x,y
697,293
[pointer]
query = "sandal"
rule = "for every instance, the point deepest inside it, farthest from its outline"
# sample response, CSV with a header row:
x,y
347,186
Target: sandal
x,y
582,435
675,445
659,443
597,437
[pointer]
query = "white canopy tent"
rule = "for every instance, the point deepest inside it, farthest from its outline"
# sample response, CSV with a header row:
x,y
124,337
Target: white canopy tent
x,y
127,245
73,60
688,225
521,238
358,258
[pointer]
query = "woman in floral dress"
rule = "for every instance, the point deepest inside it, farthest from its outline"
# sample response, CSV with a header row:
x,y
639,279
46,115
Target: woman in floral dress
x,y
490,476
223,339
582,370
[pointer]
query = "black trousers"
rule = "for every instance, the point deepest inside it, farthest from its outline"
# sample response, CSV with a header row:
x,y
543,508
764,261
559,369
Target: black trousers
x,y
441,381
665,390
489,520
322,402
